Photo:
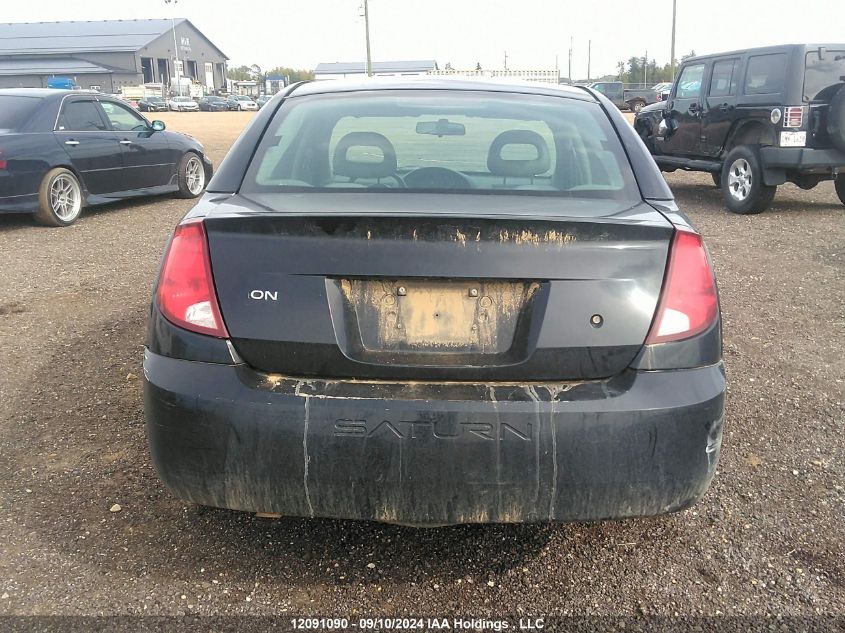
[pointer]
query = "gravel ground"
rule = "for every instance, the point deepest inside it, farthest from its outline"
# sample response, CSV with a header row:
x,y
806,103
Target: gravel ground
x,y
766,540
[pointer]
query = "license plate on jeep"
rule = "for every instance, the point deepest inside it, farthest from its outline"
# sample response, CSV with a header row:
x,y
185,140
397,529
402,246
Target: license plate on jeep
x,y
793,139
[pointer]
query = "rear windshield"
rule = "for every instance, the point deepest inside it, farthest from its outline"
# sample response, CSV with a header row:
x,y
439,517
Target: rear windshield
x,y
824,75
442,141
15,110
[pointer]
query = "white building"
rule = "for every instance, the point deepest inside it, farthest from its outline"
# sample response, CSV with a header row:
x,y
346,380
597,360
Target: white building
x,y
339,70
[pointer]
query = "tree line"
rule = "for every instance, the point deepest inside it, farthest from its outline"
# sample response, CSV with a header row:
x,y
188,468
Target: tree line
x,y
638,70
256,73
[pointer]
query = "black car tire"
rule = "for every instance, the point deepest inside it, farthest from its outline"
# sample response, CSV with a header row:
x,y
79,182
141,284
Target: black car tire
x,y
188,187
743,190
636,106
839,184
60,189
836,119
717,178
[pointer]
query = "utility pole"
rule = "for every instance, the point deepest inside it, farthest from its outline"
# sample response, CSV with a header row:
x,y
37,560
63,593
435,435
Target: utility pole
x,y
506,60
571,39
645,70
589,57
367,32
175,45
672,54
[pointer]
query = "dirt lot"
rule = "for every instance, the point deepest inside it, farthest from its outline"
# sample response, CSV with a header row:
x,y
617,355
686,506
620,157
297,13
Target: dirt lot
x,y
767,539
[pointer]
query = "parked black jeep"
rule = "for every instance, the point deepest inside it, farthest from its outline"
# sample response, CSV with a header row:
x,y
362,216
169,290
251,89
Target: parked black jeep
x,y
755,119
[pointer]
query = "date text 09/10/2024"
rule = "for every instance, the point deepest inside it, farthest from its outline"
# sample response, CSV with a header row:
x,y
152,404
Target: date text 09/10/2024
x,y
416,623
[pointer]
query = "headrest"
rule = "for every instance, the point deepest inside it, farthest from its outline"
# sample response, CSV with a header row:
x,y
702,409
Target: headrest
x,y
524,168
364,164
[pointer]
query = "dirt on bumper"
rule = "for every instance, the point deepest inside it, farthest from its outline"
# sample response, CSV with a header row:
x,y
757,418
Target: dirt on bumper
x,y
643,443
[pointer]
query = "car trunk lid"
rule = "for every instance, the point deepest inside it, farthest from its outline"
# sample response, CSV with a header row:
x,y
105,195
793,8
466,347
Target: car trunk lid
x,y
493,290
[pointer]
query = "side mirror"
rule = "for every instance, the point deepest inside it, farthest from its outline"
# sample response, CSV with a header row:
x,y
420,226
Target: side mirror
x,y
158,126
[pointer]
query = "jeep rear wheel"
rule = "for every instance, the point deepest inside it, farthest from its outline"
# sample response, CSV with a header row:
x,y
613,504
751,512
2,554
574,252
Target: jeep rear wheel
x,y
840,187
742,182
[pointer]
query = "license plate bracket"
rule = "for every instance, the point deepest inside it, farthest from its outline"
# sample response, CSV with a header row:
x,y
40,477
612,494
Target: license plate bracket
x,y
437,316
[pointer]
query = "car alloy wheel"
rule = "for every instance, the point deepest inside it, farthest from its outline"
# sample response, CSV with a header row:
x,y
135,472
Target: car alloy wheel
x,y
194,175
65,198
740,179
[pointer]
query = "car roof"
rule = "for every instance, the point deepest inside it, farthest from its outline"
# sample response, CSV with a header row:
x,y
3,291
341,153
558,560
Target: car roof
x,y
43,93
327,86
779,48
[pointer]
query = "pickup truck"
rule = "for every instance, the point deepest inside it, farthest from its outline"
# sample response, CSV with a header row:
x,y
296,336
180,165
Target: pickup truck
x,y
622,98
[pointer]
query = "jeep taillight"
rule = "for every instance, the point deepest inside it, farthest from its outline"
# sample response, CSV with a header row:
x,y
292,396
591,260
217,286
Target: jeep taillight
x,y
688,303
793,116
186,294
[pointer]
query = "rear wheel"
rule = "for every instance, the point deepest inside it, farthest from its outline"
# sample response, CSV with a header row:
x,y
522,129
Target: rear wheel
x,y
59,198
636,106
742,182
840,187
191,176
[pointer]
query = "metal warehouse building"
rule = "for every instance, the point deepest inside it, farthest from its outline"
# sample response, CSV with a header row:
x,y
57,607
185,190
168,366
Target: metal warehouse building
x,y
109,54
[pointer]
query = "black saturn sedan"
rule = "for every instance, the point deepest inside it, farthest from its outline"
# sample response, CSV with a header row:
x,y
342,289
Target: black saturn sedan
x,y
62,150
436,302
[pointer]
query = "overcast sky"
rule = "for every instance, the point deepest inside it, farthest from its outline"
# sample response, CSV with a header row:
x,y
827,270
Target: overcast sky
x,y
302,33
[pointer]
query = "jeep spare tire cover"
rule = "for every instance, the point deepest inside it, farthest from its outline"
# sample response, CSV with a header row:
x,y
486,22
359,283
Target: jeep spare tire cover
x,y
836,119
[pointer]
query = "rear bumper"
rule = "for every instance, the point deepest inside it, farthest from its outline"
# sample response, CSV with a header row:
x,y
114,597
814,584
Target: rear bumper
x,y
802,158
642,443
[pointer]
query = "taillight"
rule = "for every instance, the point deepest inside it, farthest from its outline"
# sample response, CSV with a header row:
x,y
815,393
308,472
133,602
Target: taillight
x,y
186,295
688,303
793,116
3,163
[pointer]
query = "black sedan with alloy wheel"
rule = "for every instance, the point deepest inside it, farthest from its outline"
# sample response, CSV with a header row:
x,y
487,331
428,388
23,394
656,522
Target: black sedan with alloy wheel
x,y
152,104
62,150
213,104
429,302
